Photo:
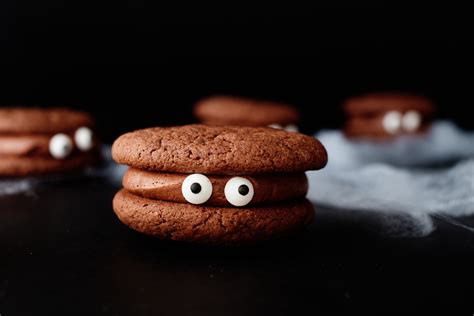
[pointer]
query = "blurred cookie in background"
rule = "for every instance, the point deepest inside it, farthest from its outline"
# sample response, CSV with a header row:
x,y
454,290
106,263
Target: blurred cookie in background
x,y
386,115
35,141
240,111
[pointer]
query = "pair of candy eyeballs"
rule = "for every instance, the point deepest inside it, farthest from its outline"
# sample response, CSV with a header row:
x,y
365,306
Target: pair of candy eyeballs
x,y
61,145
197,189
394,122
288,128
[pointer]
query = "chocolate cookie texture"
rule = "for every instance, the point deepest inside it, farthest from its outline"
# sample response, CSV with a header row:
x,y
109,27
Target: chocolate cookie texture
x,y
183,186
22,120
387,115
228,110
37,141
210,225
26,166
219,150
385,101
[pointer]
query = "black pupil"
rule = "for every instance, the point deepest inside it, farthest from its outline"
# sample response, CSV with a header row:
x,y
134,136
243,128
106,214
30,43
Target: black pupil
x,y
243,189
195,188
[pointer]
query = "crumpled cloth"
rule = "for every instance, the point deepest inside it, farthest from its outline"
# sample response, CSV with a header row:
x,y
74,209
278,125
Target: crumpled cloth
x,y
404,183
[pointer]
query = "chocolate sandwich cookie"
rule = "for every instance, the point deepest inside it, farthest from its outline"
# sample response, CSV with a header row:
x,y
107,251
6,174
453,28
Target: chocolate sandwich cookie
x,y
387,115
227,110
216,185
36,141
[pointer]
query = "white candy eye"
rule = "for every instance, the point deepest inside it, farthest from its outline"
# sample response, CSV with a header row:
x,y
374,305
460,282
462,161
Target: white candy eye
x,y
60,146
239,191
411,121
84,138
392,122
291,128
196,188
277,126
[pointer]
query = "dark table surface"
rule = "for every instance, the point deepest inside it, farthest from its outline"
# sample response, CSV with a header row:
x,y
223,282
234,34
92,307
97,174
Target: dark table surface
x,y
63,252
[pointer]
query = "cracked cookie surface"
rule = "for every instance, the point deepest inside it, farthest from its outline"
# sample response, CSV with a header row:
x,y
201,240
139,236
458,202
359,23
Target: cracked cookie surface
x,y
210,225
221,150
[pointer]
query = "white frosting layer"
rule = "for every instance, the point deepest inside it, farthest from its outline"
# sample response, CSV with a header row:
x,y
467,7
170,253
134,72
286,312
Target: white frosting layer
x,y
277,126
288,128
291,128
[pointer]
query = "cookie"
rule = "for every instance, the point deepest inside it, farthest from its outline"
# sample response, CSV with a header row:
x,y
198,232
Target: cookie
x,y
216,185
210,225
221,150
227,110
387,115
26,166
36,141
22,120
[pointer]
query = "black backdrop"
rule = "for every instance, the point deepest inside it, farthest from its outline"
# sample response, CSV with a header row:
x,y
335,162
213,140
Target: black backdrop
x,y
136,63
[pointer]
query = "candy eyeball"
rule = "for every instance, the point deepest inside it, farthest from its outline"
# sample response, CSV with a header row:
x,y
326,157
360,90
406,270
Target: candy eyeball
x,y
291,128
84,138
392,122
239,191
60,146
411,121
277,126
196,188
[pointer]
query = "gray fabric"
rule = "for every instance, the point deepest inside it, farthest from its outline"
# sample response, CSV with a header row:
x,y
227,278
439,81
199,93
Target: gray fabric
x,y
401,182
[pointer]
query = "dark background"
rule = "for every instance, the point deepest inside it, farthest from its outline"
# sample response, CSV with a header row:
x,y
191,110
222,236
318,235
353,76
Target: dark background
x,y
137,63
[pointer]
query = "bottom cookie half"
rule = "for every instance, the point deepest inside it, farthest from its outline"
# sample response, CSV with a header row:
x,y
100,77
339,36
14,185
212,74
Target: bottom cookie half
x,y
210,225
29,166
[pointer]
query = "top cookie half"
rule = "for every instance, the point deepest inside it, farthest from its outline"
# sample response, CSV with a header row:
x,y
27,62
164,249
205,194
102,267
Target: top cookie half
x,y
227,110
220,150
387,101
22,120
